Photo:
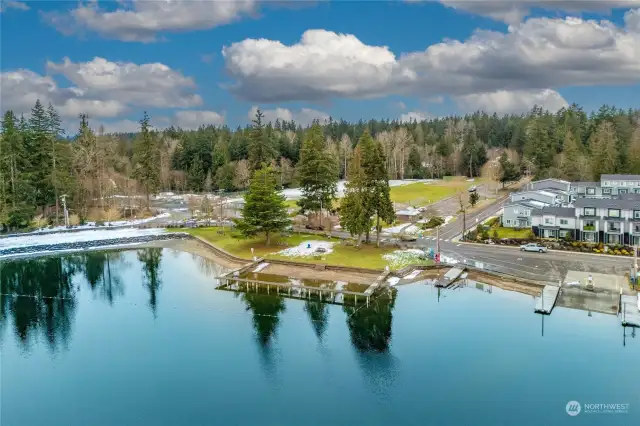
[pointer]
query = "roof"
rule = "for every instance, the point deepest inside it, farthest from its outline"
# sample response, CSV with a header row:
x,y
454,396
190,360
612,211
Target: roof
x,y
585,183
533,204
619,177
552,179
547,193
611,203
556,211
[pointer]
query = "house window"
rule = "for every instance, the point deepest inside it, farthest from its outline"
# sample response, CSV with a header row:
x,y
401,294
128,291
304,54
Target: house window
x,y
614,213
548,221
607,183
508,221
589,211
636,214
622,191
637,190
591,191
564,222
606,191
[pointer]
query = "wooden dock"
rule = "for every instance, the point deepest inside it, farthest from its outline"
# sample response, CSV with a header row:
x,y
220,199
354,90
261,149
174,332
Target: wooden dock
x,y
630,314
547,300
450,277
335,295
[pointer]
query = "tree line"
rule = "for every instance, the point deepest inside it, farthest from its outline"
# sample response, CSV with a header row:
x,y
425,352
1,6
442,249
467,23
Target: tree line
x,y
39,163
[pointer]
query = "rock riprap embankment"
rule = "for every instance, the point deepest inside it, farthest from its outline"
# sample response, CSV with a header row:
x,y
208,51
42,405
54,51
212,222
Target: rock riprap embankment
x,y
83,240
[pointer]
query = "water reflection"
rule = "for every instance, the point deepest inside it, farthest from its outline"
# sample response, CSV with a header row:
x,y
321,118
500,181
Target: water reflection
x,y
266,310
318,315
151,259
39,296
102,271
370,332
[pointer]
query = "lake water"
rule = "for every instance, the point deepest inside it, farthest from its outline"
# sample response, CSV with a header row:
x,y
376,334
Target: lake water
x,y
143,338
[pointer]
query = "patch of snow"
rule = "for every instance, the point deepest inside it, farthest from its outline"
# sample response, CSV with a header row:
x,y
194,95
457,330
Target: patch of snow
x,y
401,258
393,281
404,228
307,248
412,275
75,237
295,193
71,250
261,267
93,226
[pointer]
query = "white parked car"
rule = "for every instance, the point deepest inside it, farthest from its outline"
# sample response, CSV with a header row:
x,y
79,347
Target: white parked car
x,y
533,247
473,188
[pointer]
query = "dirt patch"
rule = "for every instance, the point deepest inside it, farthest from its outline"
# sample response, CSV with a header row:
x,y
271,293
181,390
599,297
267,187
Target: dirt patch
x,y
303,272
505,284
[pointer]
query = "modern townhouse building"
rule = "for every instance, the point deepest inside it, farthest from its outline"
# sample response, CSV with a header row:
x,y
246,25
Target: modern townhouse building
x,y
609,221
610,186
554,222
518,214
547,196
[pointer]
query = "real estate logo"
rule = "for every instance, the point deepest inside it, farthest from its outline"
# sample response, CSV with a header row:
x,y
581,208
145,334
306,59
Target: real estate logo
x,y
573,408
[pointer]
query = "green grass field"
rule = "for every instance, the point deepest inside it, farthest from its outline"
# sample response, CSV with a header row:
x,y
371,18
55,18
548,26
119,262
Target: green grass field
x,y
422,193
367,256
510,233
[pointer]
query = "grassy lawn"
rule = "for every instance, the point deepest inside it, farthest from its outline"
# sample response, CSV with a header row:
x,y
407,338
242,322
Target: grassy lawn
x,y
421,193
367,256
510,232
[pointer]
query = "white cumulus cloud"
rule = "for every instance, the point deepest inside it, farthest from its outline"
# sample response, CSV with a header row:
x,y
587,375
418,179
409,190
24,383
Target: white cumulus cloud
x,y
99,88
512,102
12,4
194,119
537,54
143,20
304,116
514,11
413,116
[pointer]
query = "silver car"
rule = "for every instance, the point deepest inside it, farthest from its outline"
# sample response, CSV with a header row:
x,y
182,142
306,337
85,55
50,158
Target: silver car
x,y
533,247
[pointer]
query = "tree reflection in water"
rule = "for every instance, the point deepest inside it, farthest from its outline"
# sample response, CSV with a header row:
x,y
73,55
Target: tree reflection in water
x,y
370,333
266,310
102,272
39,296
318,315
151,259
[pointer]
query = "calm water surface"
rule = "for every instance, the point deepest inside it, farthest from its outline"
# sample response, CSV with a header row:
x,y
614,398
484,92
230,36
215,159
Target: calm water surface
x,y
143,338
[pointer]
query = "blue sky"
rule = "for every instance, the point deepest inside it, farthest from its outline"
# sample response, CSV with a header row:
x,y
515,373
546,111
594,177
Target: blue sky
x,y
361,59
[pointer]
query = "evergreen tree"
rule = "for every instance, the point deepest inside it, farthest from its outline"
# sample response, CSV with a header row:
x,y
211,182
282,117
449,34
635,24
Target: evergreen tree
x,y
633,166
570,155
146,159
196,176
416,170
378,196
57,176
260,149
602,145
317,172
39,149
474,198
354,216
508,171
264,211
17,203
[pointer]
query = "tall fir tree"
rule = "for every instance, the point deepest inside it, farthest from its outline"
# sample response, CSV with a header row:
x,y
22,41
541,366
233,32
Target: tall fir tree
x,y
602,144
570,155
55,131
196,176
264,211
378,202
146,157
260,148
354,216
633,165
39,149
317,172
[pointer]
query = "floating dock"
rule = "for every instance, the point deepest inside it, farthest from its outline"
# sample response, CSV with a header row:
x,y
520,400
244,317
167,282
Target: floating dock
x,y
449,278
629,311
547,300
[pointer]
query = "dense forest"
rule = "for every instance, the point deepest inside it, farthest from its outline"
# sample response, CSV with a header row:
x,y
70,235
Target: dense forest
x,y
39,163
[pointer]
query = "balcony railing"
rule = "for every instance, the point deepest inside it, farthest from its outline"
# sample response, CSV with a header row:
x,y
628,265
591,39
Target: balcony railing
x,y
589,228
